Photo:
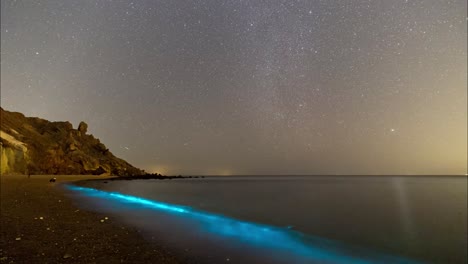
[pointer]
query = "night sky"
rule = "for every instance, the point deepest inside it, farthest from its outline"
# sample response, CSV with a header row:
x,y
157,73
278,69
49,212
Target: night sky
x,y
249,87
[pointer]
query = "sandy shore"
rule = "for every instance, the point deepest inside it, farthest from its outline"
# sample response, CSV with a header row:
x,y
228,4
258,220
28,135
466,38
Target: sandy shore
x,y
40,224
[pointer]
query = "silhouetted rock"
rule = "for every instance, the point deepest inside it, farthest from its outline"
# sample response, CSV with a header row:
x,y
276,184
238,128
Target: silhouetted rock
x,y
83,128
30,145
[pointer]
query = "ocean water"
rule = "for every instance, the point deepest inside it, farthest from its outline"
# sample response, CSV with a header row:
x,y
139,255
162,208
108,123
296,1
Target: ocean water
x,y
293,219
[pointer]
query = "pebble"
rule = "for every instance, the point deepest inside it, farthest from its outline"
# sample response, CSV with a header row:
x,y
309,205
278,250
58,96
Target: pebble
x,y
67,256
18,239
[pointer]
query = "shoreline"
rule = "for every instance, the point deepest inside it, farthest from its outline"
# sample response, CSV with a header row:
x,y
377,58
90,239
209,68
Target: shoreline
x,y
41,224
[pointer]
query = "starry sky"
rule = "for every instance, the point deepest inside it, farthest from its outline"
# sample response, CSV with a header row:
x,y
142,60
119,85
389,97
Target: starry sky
x,y
222,87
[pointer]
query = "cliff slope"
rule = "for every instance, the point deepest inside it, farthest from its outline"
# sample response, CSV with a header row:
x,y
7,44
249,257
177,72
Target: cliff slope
x,y
31,145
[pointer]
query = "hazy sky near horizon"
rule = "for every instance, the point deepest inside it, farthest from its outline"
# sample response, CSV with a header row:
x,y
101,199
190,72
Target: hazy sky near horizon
x,y
248,87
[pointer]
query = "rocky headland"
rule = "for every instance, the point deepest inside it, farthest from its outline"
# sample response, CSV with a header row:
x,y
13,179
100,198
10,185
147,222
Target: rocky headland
x,y
31,145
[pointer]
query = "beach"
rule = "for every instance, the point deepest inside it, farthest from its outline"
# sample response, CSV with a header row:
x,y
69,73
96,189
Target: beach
x,y
213,220
40,224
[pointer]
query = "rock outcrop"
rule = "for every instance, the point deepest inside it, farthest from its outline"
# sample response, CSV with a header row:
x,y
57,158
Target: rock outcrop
x,y
30,145
83,127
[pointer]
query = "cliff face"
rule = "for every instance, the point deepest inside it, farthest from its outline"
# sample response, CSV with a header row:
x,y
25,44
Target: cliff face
x,y
37,146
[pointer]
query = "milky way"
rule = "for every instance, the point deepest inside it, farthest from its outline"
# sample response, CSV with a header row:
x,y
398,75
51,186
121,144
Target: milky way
x,y
249,87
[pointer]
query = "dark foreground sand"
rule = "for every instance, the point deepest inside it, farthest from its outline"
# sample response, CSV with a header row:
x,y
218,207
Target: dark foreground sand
x,y
39,224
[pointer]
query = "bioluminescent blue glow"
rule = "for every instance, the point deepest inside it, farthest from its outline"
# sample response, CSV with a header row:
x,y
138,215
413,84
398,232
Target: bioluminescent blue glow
x,y
257,235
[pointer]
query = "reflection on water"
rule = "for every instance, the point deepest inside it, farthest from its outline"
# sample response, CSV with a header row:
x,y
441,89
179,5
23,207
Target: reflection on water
x,y
255,242
405,213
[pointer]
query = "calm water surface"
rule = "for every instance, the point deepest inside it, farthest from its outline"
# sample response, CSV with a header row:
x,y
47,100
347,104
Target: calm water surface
x,y
292,219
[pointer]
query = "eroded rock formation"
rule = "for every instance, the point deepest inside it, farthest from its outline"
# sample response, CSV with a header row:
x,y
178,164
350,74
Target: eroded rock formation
x,y
30,145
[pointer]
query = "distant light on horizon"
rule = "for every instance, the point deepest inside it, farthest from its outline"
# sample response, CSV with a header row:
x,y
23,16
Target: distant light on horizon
x,y
164,170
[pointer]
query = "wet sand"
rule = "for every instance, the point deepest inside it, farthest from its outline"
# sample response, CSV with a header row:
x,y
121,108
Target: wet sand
x,y
40,224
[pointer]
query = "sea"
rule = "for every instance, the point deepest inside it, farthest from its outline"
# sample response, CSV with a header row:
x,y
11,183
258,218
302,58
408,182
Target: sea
x,y
292,219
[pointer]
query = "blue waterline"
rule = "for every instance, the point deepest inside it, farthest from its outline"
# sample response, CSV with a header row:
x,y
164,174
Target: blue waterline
x,y
257,235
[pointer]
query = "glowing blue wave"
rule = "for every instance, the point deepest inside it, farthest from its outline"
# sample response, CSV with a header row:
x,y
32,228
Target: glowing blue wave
x,y
269,237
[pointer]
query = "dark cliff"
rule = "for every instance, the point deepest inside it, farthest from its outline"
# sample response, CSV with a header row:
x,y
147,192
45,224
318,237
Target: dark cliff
x,y
31,145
